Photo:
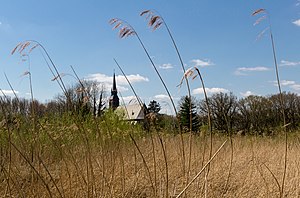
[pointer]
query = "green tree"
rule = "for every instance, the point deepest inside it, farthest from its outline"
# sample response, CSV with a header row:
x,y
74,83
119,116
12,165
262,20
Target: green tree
x,y
255,114
184,114
224,110
153,107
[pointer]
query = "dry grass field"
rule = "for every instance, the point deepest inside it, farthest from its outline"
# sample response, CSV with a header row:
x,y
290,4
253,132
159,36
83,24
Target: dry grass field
x,y
117,169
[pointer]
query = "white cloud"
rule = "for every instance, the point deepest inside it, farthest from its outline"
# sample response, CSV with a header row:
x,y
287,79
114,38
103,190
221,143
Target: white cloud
x,y
161,97
288,63
121,80
286,82
243,71
238,73
298,3
297,22
133,78
209,90
127,99
202,63
166,66
289,83
251,69
8,92
296,87
247,93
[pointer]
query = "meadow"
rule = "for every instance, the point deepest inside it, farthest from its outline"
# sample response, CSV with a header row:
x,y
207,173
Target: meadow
x,y
103,158
78,149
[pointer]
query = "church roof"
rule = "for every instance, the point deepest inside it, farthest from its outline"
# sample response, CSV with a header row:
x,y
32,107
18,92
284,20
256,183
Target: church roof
x,y
132,112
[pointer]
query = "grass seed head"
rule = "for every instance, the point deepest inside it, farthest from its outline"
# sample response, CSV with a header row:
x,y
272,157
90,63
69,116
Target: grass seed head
x,y
155,21
125,29
145,12
17,46
262,33
261,10
113,21
259,20
22,46
117,25
25,73
188,73
31,49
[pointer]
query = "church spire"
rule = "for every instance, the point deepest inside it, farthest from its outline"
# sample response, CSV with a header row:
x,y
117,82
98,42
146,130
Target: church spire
x,y
114,83
114,99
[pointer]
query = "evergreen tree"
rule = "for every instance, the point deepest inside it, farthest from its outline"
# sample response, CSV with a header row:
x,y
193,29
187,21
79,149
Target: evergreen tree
x,y
184,114
153,107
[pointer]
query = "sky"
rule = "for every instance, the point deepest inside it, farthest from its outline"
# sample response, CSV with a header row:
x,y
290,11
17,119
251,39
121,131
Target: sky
x,y
219,37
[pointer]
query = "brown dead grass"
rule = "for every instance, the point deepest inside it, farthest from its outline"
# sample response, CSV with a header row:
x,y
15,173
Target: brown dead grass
x,y
118,170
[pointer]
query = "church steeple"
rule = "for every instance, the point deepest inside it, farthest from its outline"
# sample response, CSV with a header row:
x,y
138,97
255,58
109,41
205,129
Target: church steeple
x,y
114,99
114,83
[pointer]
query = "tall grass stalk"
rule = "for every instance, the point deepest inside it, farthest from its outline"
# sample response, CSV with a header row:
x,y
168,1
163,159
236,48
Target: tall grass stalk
x,y
34,119
94,117
9,145
144,162
231,153
34,144
274,177
151,137
190,73
27,45
209,126
31,89
50,175
127,30
154,185
78,79
134,92
33,168
89,166
166,163
154,164
203,168
267,16
155,21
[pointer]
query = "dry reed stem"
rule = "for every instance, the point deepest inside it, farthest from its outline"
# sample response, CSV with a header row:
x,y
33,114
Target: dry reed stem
x,y
264,11
127,30
275,178
246,180
135,94
34,169
156,21
144,162
203,168
27,45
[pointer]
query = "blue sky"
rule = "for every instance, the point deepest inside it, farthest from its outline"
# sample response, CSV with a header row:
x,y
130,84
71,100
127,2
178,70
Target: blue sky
x,y
217,36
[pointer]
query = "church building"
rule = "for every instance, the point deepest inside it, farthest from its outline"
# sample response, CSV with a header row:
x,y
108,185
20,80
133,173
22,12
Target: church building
x,y
134,111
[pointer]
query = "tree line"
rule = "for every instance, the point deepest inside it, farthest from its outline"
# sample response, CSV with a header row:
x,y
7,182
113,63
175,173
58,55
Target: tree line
x,y
82,99
250,115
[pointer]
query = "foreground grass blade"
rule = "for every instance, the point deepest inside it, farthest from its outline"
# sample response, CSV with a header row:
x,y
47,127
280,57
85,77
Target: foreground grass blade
x,y
203,168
